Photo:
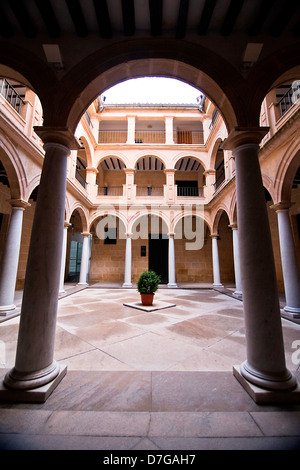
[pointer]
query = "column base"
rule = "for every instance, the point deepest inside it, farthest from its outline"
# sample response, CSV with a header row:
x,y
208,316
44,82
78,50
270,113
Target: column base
x,y
6,308
28,380
293,310
127,284
172,285
238,294
35,395
275,382
82,283
217,285
5,315
265,396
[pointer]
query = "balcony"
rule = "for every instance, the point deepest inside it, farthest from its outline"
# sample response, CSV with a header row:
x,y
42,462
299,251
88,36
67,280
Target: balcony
x,y
11,95
189,191
289,98
192,137
110,190
149,191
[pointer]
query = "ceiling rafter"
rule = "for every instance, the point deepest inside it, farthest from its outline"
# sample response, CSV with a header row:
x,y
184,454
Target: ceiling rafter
x,y
6,29
21,13
260,17
207,13
285,13
275,18
77,16
128,17
48,16
156,9
103,18
231,16
182,19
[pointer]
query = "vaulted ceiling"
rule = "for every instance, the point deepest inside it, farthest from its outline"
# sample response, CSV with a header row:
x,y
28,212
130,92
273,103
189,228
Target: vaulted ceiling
x,y
109,18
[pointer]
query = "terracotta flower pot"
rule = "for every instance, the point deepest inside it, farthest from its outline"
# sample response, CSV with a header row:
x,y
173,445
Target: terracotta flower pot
x,y
147,299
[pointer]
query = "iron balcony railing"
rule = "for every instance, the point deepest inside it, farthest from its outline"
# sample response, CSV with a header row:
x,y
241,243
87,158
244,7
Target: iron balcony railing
x,y
289,98
189,191
116,136
80,178
10,94
110,190
149,191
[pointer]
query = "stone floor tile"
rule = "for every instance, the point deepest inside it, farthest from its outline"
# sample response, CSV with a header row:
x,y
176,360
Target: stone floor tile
x,y
278,423
92,423
203,424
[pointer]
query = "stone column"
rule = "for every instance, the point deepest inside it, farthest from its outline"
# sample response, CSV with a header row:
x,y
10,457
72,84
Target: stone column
x,y
35,365
169,187
236,257
130,130
63,259
216,263
288,260
130,187
265,365
169,129
172,275
84,265
128,260
91,175
10,259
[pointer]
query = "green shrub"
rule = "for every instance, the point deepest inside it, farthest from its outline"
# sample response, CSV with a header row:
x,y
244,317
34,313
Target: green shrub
x,y
148,282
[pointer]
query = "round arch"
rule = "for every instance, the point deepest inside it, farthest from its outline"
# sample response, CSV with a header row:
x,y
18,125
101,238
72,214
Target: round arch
x,y
82,213
108,212
150,57
287,169
116,155
14,168
146,227
87,149
186,154
32,185
218,214
149,156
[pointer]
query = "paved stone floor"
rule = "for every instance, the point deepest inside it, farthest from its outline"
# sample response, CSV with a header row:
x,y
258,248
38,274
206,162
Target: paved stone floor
x,y
139,380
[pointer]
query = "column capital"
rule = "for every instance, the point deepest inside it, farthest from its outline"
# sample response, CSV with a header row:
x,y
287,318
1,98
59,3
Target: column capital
x,y
85,234
239,136
20,203
282,205
210,171
92,169
233,226
170,170
214,235
67,224
129,170
59,135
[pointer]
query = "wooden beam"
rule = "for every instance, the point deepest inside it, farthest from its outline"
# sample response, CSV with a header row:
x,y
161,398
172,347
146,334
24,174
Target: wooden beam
x,y
77,16
156,7
207,13
231,16
128,17
103,19
49,18
182,19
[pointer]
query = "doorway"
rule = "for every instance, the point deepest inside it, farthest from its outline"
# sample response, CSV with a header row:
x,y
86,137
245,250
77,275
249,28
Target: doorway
x,y
159,256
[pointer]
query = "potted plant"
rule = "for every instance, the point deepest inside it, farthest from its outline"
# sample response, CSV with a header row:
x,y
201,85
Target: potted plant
x,y
147,285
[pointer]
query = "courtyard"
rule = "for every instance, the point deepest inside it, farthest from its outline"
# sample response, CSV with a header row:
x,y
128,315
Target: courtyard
x,y
149,380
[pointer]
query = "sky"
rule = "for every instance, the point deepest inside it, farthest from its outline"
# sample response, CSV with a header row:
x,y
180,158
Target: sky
x,y
151,90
